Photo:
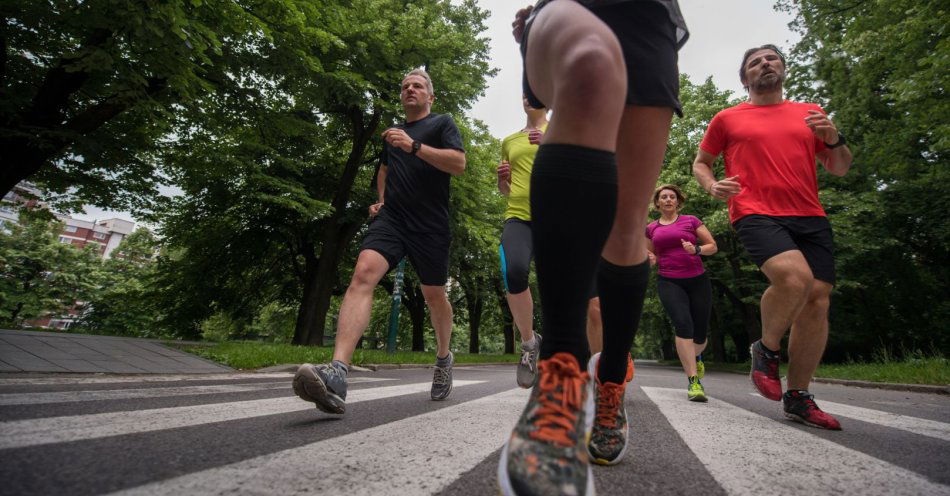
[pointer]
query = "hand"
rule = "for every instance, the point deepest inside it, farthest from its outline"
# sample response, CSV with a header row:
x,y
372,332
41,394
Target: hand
x,y
398,138
689,247
725,188
374,209
652,258
534,136
504,172
822,126
518,26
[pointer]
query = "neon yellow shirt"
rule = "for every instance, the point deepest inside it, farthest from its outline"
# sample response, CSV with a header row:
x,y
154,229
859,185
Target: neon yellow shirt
x,y
520,155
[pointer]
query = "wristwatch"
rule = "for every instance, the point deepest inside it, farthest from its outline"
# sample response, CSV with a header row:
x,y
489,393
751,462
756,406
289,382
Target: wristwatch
x,y
841,141
416,145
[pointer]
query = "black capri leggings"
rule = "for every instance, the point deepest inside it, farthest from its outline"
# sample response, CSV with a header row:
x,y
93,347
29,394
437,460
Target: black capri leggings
x,y
515,252
688,302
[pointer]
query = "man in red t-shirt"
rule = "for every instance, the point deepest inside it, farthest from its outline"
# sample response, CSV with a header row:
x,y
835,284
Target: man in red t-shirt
x,y
770,145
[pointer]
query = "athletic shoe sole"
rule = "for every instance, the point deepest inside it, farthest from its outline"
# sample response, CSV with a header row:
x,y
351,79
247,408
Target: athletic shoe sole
x,y
700,398
800,420
309,387
592,370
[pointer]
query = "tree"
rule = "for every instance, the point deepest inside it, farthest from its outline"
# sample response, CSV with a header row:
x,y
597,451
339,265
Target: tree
x,y
88,88
880,68
276,173
39,275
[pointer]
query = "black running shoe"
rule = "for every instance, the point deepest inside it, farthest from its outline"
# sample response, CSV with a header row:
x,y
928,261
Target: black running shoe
x,y
324,385
442,380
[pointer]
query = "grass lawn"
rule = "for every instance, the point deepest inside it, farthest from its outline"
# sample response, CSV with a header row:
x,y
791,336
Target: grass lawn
x,y
254,355
928,370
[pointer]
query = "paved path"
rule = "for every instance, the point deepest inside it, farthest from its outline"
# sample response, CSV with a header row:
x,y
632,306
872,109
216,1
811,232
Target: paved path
x,y
247,434
33,351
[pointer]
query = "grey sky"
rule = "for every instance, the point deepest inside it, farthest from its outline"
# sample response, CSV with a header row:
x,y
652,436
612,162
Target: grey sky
x,y
720,30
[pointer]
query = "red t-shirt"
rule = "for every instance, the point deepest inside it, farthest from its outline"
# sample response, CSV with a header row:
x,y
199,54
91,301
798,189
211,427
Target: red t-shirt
x,y
772,151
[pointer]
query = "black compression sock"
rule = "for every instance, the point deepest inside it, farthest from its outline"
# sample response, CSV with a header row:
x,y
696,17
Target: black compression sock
x,y
621,290
573,203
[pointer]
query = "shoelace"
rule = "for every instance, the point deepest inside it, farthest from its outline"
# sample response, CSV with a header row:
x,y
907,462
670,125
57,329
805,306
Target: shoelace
x,y
441,376
561,395
526,359
609,398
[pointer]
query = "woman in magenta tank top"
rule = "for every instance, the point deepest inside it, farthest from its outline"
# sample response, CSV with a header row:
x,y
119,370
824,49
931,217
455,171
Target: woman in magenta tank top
x,y
676,243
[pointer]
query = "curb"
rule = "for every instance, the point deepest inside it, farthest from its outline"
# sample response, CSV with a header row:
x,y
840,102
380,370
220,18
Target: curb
x,y
915,388
374,367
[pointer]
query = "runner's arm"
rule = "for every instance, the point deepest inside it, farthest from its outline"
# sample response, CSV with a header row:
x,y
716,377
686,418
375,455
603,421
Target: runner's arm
x,y
837,161
702,169
707,244
381,182
445,159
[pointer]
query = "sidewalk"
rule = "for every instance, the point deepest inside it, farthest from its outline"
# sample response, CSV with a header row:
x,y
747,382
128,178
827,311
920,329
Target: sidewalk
x,y
34,351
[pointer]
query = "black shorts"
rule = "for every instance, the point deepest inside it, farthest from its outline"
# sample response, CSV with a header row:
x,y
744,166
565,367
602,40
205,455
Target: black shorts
x,y
647,38
765,236
428,252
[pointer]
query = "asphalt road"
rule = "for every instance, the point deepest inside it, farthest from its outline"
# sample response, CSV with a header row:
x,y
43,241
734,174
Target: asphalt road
x,y
248,434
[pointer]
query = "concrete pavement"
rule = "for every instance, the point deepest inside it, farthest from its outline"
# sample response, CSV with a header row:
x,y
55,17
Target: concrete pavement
x,y
35,351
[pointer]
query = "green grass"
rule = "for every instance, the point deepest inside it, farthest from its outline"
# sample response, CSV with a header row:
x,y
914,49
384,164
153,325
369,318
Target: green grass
x,y
924,370
254,355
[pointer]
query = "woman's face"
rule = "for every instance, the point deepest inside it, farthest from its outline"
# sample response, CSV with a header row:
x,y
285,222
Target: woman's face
x,y
667,201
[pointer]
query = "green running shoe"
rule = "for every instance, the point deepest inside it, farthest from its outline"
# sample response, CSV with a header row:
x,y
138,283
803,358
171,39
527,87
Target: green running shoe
x,y
700,367
695,392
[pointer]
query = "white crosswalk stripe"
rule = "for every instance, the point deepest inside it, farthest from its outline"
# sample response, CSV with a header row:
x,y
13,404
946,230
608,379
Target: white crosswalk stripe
x,y
750,454
418,455
32,432
156,392
745,453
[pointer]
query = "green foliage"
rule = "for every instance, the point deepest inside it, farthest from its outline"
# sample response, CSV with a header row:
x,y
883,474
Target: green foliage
x,y
39,275
881,67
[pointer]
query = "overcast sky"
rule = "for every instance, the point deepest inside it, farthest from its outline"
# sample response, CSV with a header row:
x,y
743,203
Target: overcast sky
x,y
720,31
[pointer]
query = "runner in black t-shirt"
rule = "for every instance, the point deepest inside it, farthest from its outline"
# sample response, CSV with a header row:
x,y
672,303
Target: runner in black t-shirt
x,y
411,219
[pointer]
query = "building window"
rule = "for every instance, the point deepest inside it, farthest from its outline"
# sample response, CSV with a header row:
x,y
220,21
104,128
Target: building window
x,y
64,240
70,229
99,235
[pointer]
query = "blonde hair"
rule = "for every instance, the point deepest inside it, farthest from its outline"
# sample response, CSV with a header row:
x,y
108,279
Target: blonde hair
x,y
424,75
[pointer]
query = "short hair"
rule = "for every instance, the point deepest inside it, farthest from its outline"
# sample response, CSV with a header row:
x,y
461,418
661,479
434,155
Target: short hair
x,y
424,75
745,57
680,197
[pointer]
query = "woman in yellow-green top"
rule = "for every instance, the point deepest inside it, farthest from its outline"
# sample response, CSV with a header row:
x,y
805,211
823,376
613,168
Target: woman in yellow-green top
x,y
514,181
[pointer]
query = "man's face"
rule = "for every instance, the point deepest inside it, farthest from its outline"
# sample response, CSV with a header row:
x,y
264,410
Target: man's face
x,y
414,93
764,71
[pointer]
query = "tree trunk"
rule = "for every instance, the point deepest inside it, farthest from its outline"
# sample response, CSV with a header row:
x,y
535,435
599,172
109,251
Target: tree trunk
x,y
333,246
415,302
308,301
474,305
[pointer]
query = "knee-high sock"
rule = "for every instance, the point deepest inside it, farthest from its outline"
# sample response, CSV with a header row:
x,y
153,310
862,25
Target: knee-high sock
x,y
621,290
573,203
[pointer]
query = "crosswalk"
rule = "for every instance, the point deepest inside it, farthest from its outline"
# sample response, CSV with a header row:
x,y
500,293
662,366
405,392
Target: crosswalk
x,y
229,434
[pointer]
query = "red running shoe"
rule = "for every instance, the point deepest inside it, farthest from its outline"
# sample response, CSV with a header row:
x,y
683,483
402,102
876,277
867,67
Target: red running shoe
x,y
800,406
764,373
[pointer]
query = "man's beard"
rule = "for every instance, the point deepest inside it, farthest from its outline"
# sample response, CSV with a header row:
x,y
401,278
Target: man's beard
x,y
768,82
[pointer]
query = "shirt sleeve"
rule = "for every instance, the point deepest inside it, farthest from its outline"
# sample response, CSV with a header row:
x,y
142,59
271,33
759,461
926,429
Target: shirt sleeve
x,y
696,222
649,230
451,138
714,141
505,150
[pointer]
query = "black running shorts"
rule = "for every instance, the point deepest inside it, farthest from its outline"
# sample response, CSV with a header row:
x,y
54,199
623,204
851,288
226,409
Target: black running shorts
x,y
428,252
765,236
647,37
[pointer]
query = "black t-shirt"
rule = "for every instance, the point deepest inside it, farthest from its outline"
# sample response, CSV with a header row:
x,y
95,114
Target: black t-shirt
x,y
417,193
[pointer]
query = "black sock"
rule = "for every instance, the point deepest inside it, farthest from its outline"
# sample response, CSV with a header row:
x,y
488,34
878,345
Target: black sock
x,y
621,290
573,203
764,349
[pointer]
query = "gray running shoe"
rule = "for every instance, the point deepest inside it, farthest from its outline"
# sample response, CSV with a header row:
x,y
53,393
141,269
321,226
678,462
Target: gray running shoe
x,y
322,384
528,367
442,380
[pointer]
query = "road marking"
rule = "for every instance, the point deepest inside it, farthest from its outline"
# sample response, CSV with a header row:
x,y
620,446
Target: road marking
x,y
914,425
157,392
748,453
119,379
32,432
419,455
